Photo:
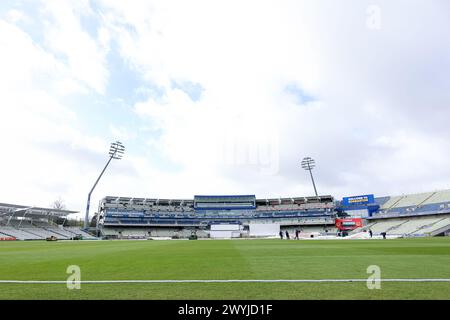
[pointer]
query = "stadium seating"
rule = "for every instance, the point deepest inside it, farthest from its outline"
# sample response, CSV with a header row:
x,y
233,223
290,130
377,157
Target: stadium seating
x,y
391,202
33,223
411,214
36,233
420,202
433,226
19,234
439,197
413,199
384,226
125,217
408,226
60,232
416,226
78,231
381,200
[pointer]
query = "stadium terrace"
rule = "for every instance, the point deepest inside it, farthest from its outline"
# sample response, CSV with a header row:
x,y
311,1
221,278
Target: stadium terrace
x,y
245,216
239,216
18,222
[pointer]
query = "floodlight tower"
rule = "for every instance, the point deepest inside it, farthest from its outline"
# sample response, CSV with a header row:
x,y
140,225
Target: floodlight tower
x,y
309,164
116,151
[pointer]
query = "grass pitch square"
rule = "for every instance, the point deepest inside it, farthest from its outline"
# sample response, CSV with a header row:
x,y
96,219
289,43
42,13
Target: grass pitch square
x,y
225,260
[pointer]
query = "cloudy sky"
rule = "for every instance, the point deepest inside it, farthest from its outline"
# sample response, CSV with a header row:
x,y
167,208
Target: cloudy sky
x,y
222,97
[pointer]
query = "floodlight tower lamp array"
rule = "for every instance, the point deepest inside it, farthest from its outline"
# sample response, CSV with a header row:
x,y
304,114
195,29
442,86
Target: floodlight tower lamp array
x,y
116,151
309,164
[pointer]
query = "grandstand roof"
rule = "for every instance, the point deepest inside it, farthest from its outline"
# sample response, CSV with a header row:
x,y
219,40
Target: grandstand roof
x,y
225,196
114,200
133,199
7,210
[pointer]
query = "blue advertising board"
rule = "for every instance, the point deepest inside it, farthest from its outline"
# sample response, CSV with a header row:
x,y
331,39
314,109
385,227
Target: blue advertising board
x,y
358,200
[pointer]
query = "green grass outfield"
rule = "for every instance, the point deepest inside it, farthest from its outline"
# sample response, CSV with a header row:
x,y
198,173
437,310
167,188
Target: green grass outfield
x,y
226,259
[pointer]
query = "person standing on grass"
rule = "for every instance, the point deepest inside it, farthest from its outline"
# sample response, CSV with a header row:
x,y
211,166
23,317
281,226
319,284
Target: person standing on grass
x,y
287,235
281,235
296,234
370,233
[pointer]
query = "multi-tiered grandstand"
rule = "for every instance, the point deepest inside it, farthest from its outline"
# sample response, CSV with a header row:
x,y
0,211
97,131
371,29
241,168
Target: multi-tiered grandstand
x,y
421,214
124,217
424,214
229,216
18,222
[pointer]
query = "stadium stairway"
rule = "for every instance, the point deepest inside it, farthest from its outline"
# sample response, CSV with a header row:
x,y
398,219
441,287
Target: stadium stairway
x,y
432,194
384,226
433,229
78,231
361,229
61,234
4,235
19,234
40,232
440,229
392,202
419,230
392,230
399,229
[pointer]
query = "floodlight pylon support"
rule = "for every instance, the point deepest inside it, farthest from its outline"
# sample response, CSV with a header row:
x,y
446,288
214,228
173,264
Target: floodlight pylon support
x,y
115,152
309,164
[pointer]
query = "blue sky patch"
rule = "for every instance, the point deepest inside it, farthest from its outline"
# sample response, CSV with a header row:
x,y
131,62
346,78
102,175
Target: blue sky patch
x,y
193,90
301,96
90,22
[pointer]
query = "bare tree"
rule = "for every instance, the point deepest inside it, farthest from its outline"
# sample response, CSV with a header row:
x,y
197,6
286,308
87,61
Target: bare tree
x,y
58,204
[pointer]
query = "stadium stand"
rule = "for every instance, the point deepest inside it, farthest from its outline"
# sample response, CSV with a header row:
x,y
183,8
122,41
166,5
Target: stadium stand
x,y
78,231
18,234
411,226
42,233
179,218
391,202
433,228
439,197
412,200
421,202
420,214
35,223
413,215
383,226
60,232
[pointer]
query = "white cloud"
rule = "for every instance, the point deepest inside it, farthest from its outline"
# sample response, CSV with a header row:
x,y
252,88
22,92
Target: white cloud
x,y
37,126
64,35
377,122
15,16
244,55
